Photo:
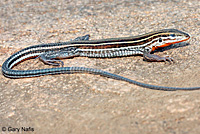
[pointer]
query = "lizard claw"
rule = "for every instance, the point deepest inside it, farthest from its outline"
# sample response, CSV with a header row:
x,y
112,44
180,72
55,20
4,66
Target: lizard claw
x,y
54,62
169,59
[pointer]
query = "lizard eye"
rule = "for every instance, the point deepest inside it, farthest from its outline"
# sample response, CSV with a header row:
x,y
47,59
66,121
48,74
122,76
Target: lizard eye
x,y
172,35
160,39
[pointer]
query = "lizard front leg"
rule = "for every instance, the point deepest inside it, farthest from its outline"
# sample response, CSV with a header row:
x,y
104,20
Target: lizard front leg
x,y
151,57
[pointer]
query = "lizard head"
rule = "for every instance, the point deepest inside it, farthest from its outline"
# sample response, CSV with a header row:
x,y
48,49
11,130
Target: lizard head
x,y
167,37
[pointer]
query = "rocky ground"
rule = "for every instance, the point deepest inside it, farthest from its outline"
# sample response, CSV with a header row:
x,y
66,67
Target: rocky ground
x,y
86,103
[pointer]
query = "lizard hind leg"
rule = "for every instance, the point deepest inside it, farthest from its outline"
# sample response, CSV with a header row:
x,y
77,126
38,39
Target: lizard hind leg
x,y
51,60
53,57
